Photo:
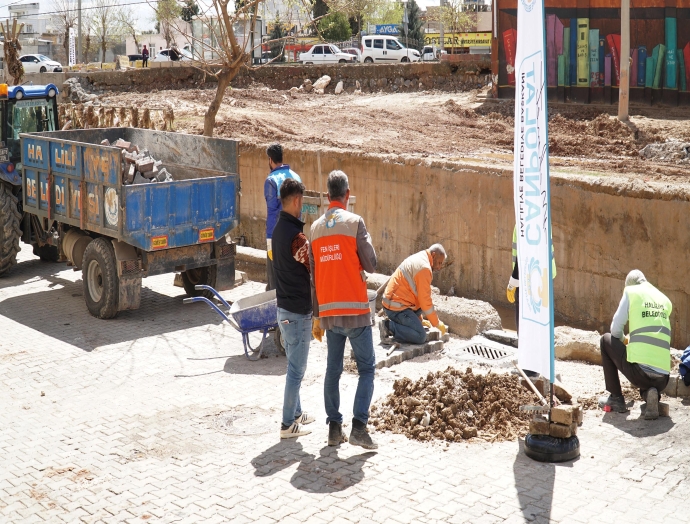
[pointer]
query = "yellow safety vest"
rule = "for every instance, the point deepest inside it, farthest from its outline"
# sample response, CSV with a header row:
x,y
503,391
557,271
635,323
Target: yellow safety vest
x,y
650,326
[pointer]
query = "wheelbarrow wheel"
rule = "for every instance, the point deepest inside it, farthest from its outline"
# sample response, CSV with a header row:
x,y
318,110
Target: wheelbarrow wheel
x,y
205,276
278,340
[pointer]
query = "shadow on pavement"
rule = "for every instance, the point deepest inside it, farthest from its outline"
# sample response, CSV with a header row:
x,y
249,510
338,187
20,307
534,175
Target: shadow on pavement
x,y
327,473
274,363
61,313
534,483
638,426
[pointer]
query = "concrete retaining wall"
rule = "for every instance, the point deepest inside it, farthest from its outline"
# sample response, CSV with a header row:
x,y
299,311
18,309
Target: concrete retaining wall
x,y
371,77
602,228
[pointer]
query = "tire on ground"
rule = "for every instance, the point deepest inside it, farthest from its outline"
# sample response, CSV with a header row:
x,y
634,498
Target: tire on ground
x,y
10,232
200,276
99,275
46,253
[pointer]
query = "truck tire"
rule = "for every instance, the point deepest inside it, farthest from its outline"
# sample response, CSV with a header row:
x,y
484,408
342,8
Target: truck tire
x,y
46,253
10,232
99,276
200,276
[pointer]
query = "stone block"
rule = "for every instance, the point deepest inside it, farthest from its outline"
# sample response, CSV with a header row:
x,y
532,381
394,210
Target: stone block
x,y
576,344
562,430
539,426
465,317
682,390
671,389
565,414
145,165
433,334
664,409
122,144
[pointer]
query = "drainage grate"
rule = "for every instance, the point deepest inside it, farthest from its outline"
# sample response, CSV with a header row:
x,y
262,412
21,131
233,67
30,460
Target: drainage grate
x,y
480,350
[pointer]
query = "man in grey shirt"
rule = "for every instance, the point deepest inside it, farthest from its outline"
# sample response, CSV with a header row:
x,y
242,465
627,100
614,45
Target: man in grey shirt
x,y
339,252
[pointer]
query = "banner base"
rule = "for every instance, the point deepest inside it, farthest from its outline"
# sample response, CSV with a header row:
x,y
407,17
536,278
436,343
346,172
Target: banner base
x,y
544,448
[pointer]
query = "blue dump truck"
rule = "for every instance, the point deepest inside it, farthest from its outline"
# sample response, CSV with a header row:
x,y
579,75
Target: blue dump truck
x,y
63,193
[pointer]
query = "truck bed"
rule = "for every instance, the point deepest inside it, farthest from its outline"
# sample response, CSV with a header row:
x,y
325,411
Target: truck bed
x,y
70,177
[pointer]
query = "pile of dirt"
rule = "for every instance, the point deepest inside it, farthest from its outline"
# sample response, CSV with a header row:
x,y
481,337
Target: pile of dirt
x,y
610,127
454,406
457,109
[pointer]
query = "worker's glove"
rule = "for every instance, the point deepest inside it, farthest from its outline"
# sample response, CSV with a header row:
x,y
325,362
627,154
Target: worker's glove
x,y
269,248
626,340
426,324
442,328
513,284
316,330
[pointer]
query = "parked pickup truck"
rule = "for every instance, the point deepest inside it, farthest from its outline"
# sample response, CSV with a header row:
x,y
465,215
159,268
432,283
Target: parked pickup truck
x,y
71,205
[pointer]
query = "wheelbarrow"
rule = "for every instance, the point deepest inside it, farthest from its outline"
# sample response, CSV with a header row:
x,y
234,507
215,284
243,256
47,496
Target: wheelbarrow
x,y
248,315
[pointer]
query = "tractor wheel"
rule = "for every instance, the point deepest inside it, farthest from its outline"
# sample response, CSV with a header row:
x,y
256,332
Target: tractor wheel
x,y
46,253
205,276
99,274
10,232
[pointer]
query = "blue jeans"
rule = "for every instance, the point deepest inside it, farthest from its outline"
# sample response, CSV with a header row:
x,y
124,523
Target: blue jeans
x,y
296,331
406,326
362,344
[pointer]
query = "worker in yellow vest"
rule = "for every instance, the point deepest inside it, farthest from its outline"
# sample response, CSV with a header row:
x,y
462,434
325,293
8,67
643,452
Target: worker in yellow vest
x,y
644,355
513,290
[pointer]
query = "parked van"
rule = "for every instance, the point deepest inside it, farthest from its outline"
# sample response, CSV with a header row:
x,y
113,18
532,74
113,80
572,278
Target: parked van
x,y
386,49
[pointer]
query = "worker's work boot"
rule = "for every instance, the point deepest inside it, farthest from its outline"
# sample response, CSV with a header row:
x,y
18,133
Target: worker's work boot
x,y
613,403
359,436
336,436
652,410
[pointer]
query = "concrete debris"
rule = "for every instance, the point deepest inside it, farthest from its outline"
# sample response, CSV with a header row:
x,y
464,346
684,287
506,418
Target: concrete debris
x,y
460,406
502,337
465,317
322,83
670,151
339,88
576,344
76,93
139,167
307,85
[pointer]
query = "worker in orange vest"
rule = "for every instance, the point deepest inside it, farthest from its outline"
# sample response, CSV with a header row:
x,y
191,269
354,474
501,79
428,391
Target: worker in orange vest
x,y
408,297
339,253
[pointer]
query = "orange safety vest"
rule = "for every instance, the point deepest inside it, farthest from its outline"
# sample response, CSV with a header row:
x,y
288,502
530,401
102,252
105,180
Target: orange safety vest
x,y
341,289
410,287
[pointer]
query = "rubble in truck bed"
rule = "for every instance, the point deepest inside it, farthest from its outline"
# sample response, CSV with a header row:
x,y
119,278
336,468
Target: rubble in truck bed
x,y
139,167
454,406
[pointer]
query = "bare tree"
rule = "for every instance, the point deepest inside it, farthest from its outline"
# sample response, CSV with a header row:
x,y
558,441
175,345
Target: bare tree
x,y
128,23
105,23
454,16
167,14
65,18
360,10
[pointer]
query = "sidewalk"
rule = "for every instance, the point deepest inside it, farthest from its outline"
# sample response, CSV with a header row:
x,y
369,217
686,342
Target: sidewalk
x,y
156,416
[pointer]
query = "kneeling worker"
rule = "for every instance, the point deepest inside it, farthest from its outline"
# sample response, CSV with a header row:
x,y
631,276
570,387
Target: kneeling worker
x,y
646,360
408,297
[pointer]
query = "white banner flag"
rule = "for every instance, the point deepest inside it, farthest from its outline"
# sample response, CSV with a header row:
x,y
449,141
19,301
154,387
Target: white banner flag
x,y
72,59
531,189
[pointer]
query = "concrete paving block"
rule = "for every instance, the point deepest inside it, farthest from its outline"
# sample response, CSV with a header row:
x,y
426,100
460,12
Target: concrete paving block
x,y
539,426
682,390
564,414
562,430
576,344
671,389
465,317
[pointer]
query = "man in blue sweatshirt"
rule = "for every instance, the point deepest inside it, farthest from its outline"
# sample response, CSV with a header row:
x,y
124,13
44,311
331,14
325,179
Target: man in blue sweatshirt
x,y
279,172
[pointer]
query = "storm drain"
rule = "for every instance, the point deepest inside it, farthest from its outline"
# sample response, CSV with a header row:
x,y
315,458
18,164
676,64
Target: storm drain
x,y
489,353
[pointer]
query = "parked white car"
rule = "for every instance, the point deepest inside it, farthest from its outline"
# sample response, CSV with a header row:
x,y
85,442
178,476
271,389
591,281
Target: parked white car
x,y
386,49
166,55
326,54
354,52
40,64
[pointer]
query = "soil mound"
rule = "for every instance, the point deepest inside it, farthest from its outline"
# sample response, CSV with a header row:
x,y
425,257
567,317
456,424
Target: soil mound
x,y
454,406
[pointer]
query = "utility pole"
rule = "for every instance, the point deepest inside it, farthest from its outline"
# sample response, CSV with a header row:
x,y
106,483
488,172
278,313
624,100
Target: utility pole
x,y
441,38
79,57
624,88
